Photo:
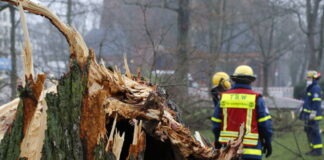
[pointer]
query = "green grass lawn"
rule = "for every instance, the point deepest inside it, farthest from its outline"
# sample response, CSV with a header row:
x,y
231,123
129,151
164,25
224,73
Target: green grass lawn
x,y
284,145
288,134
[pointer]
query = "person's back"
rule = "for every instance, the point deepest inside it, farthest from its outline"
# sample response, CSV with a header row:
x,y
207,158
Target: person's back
x,y
242,105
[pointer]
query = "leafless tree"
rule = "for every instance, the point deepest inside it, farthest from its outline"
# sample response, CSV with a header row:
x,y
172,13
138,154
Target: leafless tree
x,y
313,29
271,38
13,73
182,9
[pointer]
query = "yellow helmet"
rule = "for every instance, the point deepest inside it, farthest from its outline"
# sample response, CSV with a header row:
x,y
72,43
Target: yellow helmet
x,y
313,74
243,73
222,79
243,70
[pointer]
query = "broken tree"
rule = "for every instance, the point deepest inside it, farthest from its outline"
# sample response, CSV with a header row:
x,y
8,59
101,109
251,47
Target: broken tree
x,y
95,113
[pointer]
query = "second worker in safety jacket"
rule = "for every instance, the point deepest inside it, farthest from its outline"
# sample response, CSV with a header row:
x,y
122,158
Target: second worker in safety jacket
x,y
242,105
221,83
312,113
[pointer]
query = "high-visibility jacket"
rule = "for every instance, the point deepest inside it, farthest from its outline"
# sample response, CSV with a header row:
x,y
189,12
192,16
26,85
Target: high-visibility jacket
x,y
312,105
312,102
242,105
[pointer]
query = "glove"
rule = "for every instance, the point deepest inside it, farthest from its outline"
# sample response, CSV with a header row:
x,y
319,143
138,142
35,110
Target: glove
x,y
217,145
216,132
312,115
266,148
304,116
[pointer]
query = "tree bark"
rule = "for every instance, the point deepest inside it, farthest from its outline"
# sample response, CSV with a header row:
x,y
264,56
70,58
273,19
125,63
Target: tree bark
x,y
69,12
265,68
216,29
321,41
216,23
13,73
182,70
312,21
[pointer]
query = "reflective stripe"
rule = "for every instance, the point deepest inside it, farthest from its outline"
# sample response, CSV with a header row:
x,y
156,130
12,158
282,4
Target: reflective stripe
x,y
235,100
309,94
318,118
235,134
245,141
216,119
318,146
224,139
317,99
306,110
250,142
248,121
264,118
225,119
252,136
252,151
229,133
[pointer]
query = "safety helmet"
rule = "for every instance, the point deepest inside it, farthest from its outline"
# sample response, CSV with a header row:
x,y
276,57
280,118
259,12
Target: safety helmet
x,y
222,79
243,74
313,74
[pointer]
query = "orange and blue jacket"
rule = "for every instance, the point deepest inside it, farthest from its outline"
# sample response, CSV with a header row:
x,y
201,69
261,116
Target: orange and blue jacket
x,y
242,105
312,102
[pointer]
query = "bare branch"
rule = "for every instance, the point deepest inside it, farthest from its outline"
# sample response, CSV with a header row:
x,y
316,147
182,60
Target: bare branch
x,y
2,7
163,5
281,51
299,21
77,45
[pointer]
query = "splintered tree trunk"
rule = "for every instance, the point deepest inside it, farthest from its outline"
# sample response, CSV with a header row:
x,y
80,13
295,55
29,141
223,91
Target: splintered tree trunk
x,y
94,113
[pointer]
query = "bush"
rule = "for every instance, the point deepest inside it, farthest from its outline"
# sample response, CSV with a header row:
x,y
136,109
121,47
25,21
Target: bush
x,y
300,89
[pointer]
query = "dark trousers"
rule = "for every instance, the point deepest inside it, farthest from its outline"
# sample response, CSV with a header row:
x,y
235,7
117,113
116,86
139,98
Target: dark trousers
x,y
313,135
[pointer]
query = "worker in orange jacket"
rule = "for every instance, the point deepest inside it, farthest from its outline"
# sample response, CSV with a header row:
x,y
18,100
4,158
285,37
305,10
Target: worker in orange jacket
x,y
241,105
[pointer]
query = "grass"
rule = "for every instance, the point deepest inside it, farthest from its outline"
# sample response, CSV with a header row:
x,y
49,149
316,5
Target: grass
x,y
292,146
285,144
289,140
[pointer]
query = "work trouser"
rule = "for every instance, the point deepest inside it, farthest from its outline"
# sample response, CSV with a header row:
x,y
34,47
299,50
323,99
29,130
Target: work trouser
x,y
245,159
252,153
313,135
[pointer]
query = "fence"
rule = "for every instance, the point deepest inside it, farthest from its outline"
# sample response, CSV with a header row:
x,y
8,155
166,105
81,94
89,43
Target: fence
x,y
280,97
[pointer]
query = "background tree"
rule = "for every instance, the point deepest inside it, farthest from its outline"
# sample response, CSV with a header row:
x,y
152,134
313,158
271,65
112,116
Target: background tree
x,y
312,27
272,36
13,73
182,9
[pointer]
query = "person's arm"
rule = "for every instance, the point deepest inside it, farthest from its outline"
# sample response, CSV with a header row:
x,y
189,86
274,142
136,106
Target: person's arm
x,y
265,126
215,95
216,121
316,101
306,110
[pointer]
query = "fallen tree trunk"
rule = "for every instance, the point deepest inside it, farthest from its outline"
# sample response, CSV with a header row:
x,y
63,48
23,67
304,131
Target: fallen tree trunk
x,y
73,119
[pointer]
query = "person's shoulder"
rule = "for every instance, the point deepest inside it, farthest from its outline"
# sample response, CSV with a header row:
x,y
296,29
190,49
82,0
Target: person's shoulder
x,y
256,93
316,88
